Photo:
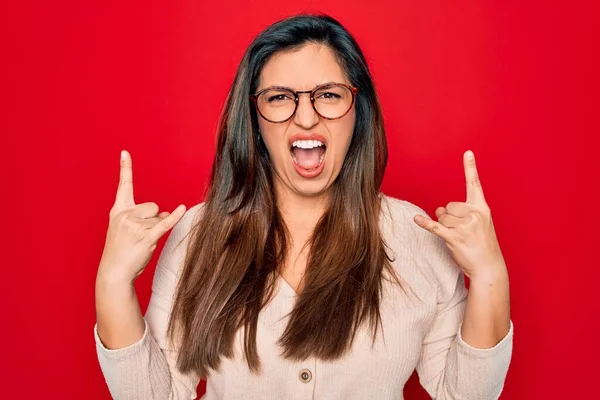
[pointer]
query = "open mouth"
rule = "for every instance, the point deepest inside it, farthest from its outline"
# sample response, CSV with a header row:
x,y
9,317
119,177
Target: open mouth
x,y
308,156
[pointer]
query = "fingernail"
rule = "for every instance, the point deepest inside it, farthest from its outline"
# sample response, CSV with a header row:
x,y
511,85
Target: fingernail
x,y
419,219
122,154
469,154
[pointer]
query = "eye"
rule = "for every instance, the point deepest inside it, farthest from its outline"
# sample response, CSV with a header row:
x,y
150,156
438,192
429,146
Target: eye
x,y
329,95
278,97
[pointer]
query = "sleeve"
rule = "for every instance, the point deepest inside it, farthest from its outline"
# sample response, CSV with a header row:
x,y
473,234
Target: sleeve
x,y
146,370
449,368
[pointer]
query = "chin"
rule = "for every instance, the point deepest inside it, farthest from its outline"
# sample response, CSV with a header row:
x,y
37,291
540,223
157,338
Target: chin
x,y
310,190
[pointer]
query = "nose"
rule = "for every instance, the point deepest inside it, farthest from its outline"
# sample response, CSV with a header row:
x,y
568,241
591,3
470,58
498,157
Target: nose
x,y
306,117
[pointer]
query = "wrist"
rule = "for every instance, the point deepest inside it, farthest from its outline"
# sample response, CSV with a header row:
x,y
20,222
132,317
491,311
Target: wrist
x,y
491,276
113,292
113,280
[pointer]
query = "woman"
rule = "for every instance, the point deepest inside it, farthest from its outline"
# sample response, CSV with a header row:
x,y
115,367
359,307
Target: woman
x,y
297,278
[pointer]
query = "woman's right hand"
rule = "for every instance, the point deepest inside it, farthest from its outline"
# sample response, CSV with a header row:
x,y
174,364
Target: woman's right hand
x,y
133,230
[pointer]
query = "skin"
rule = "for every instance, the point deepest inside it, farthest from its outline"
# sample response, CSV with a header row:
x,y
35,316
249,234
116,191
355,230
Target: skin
x,y
301,200
133,233
468,231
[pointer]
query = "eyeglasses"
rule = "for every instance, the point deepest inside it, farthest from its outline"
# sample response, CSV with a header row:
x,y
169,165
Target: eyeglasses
x,y
278,104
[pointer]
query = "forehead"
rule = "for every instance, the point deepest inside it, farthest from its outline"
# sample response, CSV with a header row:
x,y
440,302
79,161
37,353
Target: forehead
x,y
302,69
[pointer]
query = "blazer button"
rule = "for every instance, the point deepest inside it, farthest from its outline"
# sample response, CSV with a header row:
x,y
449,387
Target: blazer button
x,y
305,375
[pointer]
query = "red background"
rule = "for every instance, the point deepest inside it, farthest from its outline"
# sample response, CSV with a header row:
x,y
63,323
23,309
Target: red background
x,y
515,81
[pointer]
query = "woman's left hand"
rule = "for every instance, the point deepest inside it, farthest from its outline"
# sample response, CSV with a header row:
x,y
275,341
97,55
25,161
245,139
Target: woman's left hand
x,y
468,229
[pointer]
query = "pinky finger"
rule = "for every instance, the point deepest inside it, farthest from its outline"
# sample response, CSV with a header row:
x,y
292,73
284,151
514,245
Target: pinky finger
x,y
165,225
440,211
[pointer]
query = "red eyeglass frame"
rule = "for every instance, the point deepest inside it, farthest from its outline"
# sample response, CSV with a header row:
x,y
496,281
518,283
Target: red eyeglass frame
x,y
353,90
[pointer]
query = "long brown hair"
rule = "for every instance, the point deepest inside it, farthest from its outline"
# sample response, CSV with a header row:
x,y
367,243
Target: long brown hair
x,y
240,240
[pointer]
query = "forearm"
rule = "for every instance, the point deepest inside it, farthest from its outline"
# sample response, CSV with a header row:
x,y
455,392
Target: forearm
x,y
118,315
487,314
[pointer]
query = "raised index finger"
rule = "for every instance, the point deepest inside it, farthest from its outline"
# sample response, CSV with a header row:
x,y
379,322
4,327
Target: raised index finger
x,y
125,189
474,189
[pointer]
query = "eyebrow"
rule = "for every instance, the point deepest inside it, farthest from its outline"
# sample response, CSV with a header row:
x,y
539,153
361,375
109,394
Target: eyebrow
x,y
294,90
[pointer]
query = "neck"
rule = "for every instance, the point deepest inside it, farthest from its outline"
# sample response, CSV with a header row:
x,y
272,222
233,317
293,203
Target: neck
x,y
300,213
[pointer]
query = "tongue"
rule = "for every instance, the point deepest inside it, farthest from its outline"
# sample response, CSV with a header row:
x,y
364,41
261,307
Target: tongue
x,y
308,158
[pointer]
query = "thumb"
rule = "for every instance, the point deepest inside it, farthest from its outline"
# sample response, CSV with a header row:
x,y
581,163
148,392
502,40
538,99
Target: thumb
x,y
166,224
432,226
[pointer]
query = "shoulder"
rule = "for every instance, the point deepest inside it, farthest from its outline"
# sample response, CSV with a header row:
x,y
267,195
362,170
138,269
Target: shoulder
x,y
398,207
172,256
400,230
426,251
397,217
190,217
183,229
